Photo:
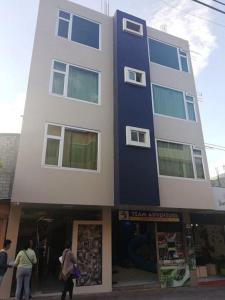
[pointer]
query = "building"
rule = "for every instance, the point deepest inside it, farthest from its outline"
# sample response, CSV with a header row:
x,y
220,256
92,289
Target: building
x,y
111,153
9,144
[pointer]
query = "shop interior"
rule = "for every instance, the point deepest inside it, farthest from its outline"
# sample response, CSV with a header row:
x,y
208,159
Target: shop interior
x,y
209,240
49,229
134,253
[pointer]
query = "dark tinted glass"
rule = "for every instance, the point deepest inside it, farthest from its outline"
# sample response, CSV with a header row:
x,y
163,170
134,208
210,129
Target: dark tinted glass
x,y
163,54
184,64
133,26
85,32
63,28
64,14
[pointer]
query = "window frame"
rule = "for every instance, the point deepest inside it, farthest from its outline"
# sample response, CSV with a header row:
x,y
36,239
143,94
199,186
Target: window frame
x,y
126,29
185,104
192,158
61,145
130,142
134,82
197,156
178,55
70,28
179,59
65,88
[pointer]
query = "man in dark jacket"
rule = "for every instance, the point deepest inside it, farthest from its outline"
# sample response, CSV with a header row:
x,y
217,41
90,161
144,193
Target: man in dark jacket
x,y
4,259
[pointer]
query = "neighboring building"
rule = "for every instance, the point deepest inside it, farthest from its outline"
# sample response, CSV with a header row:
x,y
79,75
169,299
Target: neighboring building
x,y
9,144
111,154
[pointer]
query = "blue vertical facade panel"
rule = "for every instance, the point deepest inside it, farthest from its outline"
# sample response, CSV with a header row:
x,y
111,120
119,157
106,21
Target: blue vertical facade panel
x,y
136,178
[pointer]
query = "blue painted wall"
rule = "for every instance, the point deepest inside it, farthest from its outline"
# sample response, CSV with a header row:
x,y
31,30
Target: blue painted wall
x,y
136,178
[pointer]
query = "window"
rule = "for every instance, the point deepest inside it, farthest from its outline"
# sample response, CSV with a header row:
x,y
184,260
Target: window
x,y
167,55
71,148
63,24
75,82
137,137
173,103
183,60
134,76
78,29
199,170
132,27
190,107
179,160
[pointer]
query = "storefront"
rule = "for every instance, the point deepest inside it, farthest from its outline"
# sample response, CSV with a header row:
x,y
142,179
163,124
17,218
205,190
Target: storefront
x,y
150,248
209,239
4,213
50,227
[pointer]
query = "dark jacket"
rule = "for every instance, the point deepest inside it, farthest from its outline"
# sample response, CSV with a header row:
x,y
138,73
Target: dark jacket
x,y
3,262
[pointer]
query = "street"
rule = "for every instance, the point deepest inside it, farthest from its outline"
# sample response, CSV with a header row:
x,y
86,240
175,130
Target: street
x,y
189,293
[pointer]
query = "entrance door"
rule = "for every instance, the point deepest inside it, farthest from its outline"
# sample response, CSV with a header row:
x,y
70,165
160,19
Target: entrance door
x,y
134,253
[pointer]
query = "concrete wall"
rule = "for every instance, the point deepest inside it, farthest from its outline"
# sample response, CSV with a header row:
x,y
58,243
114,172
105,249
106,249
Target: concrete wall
x,y
180,192
9,143
34,182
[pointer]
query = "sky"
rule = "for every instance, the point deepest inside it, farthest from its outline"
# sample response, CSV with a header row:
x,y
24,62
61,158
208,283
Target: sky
x,y
202,27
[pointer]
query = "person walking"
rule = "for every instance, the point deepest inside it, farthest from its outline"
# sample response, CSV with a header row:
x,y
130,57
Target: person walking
x,y
24,262
67,268
31,246
4,259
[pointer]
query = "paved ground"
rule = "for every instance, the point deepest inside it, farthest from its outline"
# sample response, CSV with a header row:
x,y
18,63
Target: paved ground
x,y
198,293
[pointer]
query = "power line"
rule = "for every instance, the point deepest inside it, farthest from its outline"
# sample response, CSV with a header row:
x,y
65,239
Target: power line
x,y
213,146
222,3
209,6
186,14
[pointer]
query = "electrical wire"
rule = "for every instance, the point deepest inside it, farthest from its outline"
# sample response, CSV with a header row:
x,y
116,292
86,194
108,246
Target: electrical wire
x,y
186,14
209,6
222,3
213,146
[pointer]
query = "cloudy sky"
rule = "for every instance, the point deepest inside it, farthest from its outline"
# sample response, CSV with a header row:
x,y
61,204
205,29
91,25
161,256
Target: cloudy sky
x,y
204,28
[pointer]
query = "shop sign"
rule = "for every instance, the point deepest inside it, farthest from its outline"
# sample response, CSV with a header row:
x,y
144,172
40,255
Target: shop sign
x,y
149,216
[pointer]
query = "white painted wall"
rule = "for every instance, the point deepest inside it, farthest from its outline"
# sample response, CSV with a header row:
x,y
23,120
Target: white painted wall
x,y
180,192
37,184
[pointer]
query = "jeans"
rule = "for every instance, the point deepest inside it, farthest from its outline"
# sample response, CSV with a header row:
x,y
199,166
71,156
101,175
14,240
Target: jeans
x,y
1,278
23,279
68,287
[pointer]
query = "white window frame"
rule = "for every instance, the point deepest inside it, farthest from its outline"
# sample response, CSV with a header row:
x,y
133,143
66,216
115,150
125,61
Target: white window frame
x,y
129,141
128,80
197,156
125,28
195,178
61,145
185,104
67,20
179,58
66,82
70,29
178,54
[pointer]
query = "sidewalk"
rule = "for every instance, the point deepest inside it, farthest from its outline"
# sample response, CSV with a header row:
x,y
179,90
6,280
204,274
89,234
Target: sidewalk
x,y
185,293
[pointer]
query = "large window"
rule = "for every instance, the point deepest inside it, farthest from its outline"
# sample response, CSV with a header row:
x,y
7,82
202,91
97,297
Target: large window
x,y
71,147
173,103
75,82
167,55
78,29
179,160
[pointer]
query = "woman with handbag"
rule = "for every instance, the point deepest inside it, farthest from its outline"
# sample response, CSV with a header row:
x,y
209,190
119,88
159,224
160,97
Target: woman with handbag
x,y
67,271
24,262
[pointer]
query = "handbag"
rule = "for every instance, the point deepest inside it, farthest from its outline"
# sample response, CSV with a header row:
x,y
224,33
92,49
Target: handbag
x,y
76,272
